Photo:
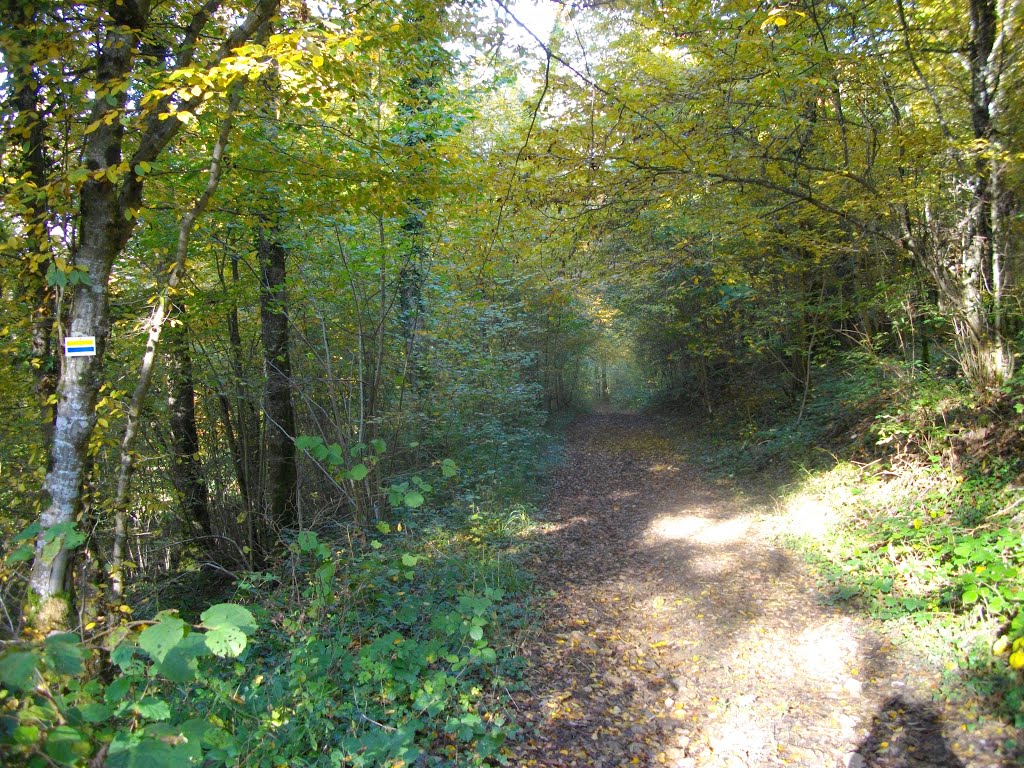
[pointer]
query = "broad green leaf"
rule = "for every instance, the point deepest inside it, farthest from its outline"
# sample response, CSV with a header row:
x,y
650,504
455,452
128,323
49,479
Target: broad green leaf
x,y
195,729
413,499
180,665
476,632
125,657
21,554
334,455
27,534
94,712
65,654
158,639
409,560
153,708
66,746
307,442
226,641
141,753
358,472
119,689
228,615
18,670
51,549
307,541
56,277
25,735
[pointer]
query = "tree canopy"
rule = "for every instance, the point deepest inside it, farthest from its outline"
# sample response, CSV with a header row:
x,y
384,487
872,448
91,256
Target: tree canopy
x,y
324,257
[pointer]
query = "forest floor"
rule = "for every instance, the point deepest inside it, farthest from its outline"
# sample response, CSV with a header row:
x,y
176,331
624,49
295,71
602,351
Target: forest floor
x,y
676,630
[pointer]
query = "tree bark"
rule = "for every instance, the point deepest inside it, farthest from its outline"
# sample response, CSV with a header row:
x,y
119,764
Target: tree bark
x,y
186,470
987,360
34,168
104,230
278,487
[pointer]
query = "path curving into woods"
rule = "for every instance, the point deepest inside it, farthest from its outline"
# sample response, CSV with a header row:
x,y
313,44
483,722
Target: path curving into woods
x,y
678,632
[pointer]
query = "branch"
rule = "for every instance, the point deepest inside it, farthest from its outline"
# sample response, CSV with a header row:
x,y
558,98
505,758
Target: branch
x,y
158,133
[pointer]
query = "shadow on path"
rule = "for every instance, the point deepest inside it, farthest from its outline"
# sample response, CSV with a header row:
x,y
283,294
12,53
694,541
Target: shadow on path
x,y
905,734
676,632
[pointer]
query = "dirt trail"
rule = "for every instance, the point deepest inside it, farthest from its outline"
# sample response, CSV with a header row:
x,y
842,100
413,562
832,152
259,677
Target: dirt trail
x,y
676,632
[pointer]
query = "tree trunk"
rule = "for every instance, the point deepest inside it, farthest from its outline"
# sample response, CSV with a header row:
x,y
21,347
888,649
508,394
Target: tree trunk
x,y
246,445
30,122
278,487
986,357
107,195
186,470
104,232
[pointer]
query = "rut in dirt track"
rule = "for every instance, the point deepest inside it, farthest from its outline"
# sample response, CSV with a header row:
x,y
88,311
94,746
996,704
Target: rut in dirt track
x,y
677,632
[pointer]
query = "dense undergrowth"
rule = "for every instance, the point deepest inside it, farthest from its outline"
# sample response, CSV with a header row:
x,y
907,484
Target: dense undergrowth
x,y
905,494
379,648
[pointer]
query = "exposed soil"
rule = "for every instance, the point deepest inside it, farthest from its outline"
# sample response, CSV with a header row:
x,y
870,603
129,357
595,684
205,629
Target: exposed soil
x,y
677,631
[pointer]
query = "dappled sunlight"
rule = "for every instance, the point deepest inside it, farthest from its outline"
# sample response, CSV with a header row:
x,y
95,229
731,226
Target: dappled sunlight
x,y
655,468
825,651
708,564
807,515
700,530
680,634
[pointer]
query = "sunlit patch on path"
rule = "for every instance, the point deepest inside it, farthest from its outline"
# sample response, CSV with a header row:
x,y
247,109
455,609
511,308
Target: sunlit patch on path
x,y
678,632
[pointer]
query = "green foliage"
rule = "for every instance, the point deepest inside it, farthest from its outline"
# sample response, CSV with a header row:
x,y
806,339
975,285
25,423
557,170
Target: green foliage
x,y
54,704
932,545
953,548
367,658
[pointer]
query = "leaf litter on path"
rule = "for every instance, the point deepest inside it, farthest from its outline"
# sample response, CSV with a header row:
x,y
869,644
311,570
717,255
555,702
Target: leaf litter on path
x,y
677,632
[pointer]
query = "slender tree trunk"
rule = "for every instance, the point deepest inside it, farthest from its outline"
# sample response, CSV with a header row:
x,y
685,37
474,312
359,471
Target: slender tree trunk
x,y
186,470
30,122
278,489
246,445
104,230
158,317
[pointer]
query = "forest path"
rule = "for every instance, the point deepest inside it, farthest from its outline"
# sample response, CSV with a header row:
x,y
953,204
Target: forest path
x,y
677,632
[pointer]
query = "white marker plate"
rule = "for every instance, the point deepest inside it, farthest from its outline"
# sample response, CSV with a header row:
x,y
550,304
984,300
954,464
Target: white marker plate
x,y
79,346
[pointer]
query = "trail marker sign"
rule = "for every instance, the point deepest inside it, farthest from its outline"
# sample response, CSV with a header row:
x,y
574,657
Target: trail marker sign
x,y
79,346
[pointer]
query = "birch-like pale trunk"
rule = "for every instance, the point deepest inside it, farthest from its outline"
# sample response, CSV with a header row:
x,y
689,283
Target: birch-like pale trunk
x,y
157,320
104,231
